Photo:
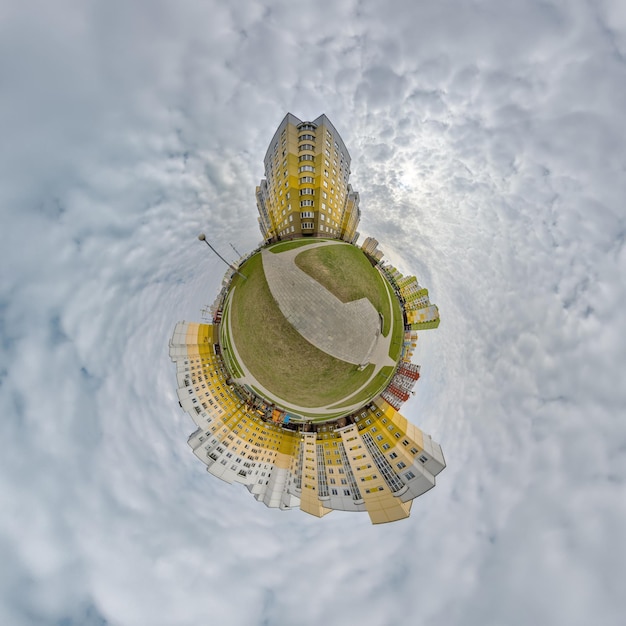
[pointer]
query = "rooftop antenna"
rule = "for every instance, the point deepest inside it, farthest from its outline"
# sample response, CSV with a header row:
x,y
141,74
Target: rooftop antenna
x,y
202,237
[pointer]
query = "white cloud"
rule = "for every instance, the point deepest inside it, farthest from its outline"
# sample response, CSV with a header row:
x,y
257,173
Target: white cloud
x,y
487,144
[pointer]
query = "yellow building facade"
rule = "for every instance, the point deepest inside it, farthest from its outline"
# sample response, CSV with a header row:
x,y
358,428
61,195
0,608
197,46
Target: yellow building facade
x,y
372,461
419,312
305,192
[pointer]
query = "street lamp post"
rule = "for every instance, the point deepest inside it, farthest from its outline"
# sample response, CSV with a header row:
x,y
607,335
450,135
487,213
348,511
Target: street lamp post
x,y
202,237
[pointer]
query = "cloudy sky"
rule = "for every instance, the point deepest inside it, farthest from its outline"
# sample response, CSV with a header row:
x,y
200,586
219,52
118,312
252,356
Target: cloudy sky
x,y
488,145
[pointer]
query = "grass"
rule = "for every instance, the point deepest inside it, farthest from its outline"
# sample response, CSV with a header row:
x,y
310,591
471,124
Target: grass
x,y
286,363
346,273
277,355
227,350
296,243
373,389
395,347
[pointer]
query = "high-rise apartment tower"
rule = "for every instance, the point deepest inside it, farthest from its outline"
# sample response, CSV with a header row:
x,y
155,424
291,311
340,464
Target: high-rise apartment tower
x,y
305,192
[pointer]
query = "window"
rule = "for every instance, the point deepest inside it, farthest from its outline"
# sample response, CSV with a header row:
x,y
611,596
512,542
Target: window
x,y
306,202
334,492
306,179
423,458
305,214
409,475
307,191
393,455
346,492
307,225
386,446
306,157
401,465
306,146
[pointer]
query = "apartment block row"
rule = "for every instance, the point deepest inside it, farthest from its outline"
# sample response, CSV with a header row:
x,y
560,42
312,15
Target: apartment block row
x,y
370,247
401,385
373,460
419,312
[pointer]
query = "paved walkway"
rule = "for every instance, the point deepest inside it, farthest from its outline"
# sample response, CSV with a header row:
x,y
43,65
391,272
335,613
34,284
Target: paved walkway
x,y
378,355
345,330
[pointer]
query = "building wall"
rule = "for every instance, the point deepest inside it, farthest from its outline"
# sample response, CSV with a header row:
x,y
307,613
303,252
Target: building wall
x,y
424,317
420,313
370,247
351,217
378,464
305,191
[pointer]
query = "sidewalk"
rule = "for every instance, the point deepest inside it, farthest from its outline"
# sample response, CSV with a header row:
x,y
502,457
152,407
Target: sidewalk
x,y
346,331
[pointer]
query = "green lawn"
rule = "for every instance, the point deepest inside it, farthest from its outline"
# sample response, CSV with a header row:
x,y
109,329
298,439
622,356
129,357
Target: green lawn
x,y
227,350
373,389
345,272
277,355
295,243
280,358
395,349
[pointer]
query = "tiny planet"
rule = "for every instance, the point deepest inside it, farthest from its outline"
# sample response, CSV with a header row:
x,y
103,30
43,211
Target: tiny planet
x,y
296,383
